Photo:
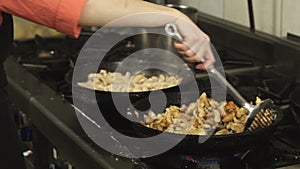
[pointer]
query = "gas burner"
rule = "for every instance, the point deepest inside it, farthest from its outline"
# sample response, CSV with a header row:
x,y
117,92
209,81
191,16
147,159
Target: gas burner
x,y
41,55
278,89
32,47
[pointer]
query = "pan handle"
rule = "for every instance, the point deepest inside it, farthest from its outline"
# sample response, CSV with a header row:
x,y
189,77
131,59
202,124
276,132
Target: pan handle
x,y
234,93
171,30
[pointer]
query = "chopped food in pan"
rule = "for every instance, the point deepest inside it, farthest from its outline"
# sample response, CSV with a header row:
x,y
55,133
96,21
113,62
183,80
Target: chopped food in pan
x,y
203,116
117,82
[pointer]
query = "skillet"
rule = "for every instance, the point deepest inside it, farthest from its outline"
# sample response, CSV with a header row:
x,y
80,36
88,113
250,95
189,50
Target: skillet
x,y
215,144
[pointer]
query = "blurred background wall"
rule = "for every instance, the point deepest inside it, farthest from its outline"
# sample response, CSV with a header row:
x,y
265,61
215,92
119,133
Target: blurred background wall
x,y
277,17
25,29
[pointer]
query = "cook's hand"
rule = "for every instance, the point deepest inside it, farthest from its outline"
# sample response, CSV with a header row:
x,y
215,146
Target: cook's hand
x,y
195,46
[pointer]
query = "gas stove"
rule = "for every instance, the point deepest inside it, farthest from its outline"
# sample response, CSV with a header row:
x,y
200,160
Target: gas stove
x,y
48,60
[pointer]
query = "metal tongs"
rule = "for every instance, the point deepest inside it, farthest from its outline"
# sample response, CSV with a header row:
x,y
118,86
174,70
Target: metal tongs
x,y
172,31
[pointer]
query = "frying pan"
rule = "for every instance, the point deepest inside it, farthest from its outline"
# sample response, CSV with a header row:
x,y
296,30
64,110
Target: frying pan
x,y
113,115
216,144
295,104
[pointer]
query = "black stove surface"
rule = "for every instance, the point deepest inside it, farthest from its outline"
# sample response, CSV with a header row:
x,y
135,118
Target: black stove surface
x,y
50,59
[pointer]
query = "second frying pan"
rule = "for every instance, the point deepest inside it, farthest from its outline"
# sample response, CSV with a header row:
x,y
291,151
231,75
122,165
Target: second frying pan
x,y
216,144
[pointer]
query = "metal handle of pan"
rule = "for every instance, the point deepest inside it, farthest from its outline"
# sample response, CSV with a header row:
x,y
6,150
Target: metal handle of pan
x,y
234,93
171,30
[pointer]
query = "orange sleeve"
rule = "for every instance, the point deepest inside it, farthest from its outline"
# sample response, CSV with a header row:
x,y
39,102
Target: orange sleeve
x,y
62,15
1,19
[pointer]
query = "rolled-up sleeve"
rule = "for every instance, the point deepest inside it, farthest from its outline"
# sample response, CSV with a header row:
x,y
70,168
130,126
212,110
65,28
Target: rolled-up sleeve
x,y
1,19
62,15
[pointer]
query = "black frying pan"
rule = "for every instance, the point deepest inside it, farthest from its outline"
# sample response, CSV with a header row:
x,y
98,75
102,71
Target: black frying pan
x,y
295,104
216,144
104,99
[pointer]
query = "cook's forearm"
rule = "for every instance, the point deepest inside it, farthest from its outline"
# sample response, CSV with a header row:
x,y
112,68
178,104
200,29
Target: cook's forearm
x,y
101,12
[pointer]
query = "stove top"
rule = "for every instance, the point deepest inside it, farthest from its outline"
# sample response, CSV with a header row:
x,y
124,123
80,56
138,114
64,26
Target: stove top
x,y
50,59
